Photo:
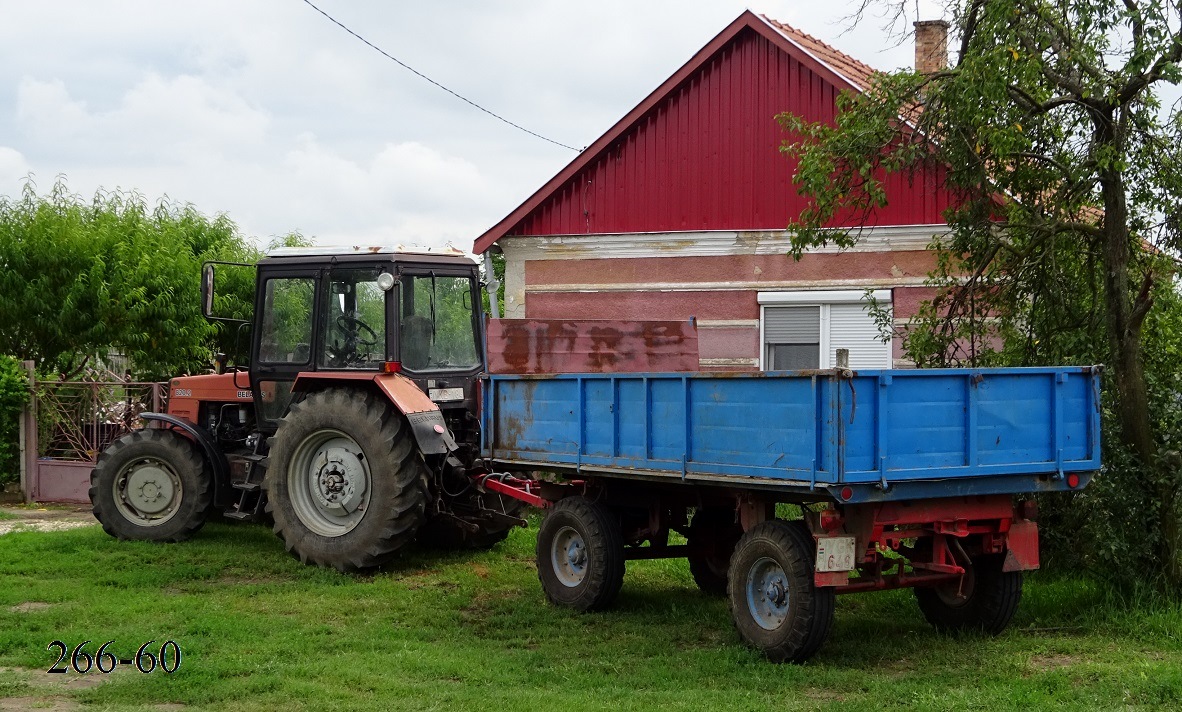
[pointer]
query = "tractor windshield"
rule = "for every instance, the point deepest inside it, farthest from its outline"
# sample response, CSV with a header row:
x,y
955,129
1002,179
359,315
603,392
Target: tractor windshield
x,y
353,321
438,324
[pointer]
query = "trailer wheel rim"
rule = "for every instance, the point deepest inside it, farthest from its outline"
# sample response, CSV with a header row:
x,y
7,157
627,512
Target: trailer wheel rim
x,y
329,482
147,491
958,592
767,593
569,557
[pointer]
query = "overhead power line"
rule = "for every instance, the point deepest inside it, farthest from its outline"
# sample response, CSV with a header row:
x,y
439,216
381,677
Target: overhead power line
x,y
406,66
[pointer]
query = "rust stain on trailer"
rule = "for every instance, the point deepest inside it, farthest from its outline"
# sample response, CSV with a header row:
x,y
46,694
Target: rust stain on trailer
x,y
535,346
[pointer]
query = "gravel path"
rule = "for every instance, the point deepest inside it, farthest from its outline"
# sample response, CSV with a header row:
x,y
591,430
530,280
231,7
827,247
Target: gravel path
x,y
57,519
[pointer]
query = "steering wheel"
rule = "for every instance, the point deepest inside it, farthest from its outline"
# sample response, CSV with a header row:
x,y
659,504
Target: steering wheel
x,y
355,325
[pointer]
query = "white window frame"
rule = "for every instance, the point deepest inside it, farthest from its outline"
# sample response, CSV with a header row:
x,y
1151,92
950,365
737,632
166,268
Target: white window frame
x,y
822,299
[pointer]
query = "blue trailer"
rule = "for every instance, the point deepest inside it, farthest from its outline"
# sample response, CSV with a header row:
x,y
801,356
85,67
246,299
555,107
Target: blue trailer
x,y
378,411
904,478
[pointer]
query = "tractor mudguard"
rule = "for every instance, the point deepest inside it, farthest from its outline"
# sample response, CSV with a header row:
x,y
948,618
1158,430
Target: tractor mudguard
x,y
426,420
214,456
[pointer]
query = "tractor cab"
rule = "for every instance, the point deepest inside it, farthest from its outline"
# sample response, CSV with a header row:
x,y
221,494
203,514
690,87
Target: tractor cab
x,y
359,312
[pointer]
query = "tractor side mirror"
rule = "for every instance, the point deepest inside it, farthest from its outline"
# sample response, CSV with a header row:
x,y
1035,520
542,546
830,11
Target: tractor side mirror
x,y
207,290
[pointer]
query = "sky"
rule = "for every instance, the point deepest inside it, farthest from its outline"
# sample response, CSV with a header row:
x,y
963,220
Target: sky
x,y
267,112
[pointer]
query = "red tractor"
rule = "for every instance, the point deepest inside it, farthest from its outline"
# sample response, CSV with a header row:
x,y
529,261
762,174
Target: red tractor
x,y
362,363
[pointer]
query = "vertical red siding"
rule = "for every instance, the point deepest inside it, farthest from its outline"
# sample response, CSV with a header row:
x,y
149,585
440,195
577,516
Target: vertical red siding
x,y
706,157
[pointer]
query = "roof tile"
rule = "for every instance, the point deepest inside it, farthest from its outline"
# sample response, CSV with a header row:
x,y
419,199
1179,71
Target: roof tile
x,y
857,73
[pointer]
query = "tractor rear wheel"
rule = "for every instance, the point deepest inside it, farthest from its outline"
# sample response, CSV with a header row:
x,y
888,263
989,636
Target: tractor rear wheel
x,y
151,485
346,484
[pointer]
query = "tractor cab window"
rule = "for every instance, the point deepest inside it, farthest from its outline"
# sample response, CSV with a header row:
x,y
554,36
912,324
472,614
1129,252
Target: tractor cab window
x,y
438,324
286,332
353,321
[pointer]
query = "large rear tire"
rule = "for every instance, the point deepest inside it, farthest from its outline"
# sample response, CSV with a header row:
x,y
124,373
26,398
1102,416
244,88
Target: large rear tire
x,y
151,485
346,484
580,555
713,534
775,605
985,601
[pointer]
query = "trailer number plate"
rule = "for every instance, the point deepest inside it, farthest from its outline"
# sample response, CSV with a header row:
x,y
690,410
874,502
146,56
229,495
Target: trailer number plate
x,y
442,395
835,553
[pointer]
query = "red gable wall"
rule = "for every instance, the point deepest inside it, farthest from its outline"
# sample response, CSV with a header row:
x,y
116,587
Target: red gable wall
x,y
705,156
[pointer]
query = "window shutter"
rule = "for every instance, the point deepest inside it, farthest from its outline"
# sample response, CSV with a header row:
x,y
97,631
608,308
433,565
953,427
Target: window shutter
x,y
851,327
792,325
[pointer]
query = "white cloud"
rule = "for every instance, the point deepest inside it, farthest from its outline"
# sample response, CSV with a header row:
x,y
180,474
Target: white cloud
x,y
13,166
164,118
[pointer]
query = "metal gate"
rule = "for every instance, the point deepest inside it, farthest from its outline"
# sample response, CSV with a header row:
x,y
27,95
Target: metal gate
x,y
67,425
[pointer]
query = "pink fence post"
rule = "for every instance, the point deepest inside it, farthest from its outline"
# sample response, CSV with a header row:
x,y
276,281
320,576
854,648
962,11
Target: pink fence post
x,y
28,437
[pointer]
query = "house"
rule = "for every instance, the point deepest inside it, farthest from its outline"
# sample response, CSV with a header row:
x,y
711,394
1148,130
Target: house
x,y
680,210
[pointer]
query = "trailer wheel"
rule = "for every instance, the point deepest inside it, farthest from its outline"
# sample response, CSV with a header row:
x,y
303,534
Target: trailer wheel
x,y
580,555
986,601
713,534
776,608
347,486
151,485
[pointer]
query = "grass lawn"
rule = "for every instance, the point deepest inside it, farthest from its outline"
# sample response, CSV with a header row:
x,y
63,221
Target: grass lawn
x,y
472,631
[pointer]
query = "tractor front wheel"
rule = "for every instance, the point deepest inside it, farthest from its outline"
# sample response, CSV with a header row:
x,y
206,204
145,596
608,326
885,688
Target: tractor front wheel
x,y
151,485
346,484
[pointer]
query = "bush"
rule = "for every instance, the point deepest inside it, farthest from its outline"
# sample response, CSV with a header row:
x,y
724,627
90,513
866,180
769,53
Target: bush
x,y
14,393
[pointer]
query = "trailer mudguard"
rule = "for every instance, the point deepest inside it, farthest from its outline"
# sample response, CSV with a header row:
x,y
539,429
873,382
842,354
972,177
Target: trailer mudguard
x,y
425,418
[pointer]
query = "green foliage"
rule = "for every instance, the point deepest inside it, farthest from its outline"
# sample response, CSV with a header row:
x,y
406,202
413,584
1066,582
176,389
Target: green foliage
x,y
14,393
80,278
1048,126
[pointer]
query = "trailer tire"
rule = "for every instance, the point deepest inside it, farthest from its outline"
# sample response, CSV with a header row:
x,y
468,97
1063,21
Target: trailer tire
x,y
989,606
151,485
776,607
346,485
713,534
580,555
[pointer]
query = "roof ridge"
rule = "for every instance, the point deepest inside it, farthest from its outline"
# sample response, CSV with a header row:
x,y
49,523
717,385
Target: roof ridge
x,y
830,55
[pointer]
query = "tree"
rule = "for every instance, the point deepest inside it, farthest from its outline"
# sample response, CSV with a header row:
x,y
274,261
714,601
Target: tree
x,y
1049,129
80,278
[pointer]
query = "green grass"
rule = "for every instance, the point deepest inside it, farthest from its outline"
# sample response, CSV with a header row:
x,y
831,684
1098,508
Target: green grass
x,y
6,516
473,631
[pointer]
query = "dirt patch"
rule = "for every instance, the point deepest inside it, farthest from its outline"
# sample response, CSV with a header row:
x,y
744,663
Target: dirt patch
x,y
51,691
1054,661
48,704
45,519
820,695
30,607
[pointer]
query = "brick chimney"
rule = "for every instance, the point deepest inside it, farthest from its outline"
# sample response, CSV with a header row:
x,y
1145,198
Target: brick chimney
x,y
931,46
